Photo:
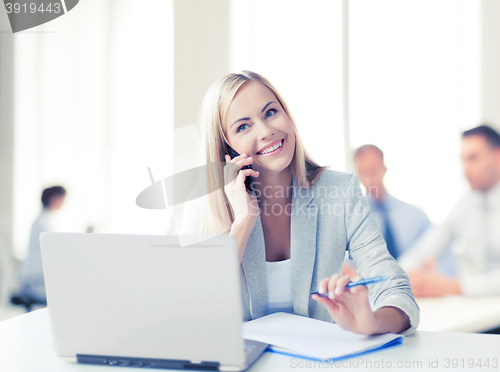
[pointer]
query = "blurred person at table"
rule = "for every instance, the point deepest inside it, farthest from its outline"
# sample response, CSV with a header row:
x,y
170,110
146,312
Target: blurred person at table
x,y
471,228
32,281
401,224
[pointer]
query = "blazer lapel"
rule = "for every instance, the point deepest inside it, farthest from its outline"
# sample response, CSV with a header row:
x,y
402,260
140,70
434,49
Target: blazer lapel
x,y
302,253
254,267
302,247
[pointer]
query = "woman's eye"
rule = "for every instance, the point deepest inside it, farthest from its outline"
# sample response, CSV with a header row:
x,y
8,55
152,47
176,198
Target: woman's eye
x,y
271,112
240,127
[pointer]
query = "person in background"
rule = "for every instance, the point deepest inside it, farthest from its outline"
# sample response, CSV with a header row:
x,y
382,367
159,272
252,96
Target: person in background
x,y
401,224
32,282
471,228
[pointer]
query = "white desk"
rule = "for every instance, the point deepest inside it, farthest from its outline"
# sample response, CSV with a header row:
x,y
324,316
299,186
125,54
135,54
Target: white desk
x,y
459,313
26,346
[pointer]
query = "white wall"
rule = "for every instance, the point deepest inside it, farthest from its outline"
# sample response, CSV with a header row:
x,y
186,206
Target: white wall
x,y
414,86
93,109
6,132
298,48
490,61
200,57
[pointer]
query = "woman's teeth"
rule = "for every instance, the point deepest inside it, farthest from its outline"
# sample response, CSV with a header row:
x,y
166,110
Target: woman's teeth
x,y
272,148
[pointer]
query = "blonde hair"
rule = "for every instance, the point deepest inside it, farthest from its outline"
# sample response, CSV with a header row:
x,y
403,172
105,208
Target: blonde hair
x,y
216,215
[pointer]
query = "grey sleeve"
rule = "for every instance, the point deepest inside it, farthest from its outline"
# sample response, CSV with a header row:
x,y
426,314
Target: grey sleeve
x,y
368,250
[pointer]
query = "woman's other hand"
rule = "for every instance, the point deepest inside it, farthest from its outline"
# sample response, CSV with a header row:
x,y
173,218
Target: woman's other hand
x,y
350,309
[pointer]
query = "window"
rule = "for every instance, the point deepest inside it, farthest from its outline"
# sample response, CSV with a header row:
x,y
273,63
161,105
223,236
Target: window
x,y
93,110
297,46
414,86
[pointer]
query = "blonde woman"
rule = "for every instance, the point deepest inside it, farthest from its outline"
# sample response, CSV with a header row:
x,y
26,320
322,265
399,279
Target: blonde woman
x,y
293,220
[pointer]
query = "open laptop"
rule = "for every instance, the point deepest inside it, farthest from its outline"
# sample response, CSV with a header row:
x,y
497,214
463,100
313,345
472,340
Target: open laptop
x,y
144,301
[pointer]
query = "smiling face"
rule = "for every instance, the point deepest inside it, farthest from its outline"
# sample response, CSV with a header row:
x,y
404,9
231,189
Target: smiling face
x,y
257,125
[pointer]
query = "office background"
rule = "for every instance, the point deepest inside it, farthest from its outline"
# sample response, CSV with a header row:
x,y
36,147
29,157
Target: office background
x,y
93,98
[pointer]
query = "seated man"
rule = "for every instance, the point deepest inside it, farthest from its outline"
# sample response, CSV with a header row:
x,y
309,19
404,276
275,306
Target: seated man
x,y
471,228
401,224
32,281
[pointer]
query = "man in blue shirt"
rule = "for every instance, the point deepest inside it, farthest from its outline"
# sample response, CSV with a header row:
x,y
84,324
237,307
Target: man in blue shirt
x,y
401,224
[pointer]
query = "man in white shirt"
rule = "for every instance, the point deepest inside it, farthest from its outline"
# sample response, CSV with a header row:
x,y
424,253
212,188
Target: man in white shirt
x,y
471,228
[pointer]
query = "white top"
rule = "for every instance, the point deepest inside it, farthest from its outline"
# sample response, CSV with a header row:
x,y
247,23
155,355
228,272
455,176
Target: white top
x,y
279,286
472,230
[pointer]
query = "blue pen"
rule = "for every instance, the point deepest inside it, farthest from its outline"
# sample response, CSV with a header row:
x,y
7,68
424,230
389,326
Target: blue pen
x,y
354,284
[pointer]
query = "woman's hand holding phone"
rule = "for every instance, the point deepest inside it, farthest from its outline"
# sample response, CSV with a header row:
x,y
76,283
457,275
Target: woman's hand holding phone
x,y
243,203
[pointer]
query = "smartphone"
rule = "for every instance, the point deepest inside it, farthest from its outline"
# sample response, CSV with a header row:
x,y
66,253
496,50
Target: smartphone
x,y
248,179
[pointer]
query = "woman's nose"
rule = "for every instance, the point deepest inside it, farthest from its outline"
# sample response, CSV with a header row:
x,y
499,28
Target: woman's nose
x,y
265,130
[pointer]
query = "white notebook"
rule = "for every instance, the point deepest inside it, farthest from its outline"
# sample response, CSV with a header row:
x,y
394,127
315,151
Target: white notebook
x,y
313,339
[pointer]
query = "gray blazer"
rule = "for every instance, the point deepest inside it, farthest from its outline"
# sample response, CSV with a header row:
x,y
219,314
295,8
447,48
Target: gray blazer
x,y
326,221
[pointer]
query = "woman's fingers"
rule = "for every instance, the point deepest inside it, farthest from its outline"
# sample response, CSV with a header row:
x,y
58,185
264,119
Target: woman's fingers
x,y
323,285
242,175
350,309
233,166
230,172
341,283
236,158
240,161
245,161
359,289
248,172
335,285
331,306
332,284
334,301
